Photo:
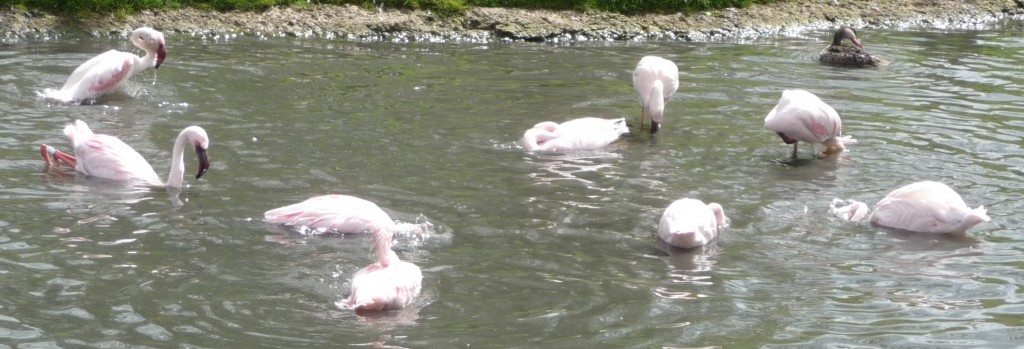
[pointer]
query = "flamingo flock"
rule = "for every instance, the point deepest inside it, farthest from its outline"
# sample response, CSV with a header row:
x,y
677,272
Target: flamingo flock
x,y
391,283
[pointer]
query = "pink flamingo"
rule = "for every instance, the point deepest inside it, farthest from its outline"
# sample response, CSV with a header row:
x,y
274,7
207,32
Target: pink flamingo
x,y
802,116
922,207
390,283
106,156
689,223
342,213
109,70
578,134
928,207
655,79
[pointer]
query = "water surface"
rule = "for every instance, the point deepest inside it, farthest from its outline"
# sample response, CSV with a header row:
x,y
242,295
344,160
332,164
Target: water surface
x,y
528,250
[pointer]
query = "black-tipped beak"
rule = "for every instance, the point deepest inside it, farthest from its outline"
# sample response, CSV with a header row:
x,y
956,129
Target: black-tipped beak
x,y
654,127
161,53
204,161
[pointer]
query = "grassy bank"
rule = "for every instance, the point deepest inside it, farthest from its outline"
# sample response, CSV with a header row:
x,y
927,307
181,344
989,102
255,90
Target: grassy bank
x,y
77,7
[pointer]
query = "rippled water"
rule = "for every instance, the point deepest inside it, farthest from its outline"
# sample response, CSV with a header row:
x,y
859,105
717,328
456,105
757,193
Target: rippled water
x,y
528,250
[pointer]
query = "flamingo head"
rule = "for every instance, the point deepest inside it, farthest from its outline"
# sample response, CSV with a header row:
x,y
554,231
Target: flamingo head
x,y
204,160
201,142
161,53
152,41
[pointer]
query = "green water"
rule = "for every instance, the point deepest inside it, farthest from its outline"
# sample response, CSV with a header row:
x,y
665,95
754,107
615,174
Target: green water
x,y
528,250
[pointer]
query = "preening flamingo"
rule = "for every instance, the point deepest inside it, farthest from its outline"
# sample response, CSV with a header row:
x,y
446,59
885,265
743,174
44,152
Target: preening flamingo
x,y
109,70
106,156
688,223
390,283
578,134
655,79
802,116
923,207
854,56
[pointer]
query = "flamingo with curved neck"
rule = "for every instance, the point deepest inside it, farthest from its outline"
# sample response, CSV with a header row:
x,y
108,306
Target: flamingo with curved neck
x,y
577,134
108,157
390,283
922,207
655,79
800,116
109,70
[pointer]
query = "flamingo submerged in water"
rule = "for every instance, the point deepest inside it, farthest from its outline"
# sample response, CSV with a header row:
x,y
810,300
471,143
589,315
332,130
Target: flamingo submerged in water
x,y
578,134
109,70
655,79
106,156
688,223
800,116
343,214
390,283
922,207
854,56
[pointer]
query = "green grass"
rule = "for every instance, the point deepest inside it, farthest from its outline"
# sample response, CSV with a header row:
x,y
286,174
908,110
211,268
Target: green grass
x,y
443,7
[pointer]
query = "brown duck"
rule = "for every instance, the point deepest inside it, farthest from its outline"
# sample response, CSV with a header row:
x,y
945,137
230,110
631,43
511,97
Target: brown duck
x,y
852,56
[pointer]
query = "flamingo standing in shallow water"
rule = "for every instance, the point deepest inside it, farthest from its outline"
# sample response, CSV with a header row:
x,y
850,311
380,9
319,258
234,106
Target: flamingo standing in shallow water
x,y
689,223
106,156
109,70
390,283
854,56
578,134
800,116
922,207
655,79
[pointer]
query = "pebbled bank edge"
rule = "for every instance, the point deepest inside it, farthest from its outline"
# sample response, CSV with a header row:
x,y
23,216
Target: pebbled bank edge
x,y
508,24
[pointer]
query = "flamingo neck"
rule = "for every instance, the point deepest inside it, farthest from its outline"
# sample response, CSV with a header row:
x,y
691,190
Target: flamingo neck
x,y
147,61
657,101
177,175
382,242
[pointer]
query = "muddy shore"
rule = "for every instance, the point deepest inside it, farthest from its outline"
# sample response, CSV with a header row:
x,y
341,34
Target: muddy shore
x,y
485,24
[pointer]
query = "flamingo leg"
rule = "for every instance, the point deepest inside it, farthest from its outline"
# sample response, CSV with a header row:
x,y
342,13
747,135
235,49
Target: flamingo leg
x,y
794,149
641,118
58,156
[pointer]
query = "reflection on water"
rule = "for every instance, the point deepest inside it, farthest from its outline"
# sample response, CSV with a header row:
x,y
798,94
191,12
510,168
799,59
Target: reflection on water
x,y
526,250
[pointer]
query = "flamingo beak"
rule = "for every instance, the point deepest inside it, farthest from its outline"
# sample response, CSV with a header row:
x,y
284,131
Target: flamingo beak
x,y
204,161
654,127
161,53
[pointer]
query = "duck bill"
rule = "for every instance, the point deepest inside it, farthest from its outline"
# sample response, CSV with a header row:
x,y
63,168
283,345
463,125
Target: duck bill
x,y
204,161
161,53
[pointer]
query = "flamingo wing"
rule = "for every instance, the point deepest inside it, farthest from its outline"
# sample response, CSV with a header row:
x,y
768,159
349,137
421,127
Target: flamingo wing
x,y
101,74
343,213
108,157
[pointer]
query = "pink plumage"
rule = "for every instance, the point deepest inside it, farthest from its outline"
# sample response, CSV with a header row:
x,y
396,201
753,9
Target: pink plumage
x,y
800,116
927,207
109,70
688,223
108,157
340,213
655,79
390,283
578,134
